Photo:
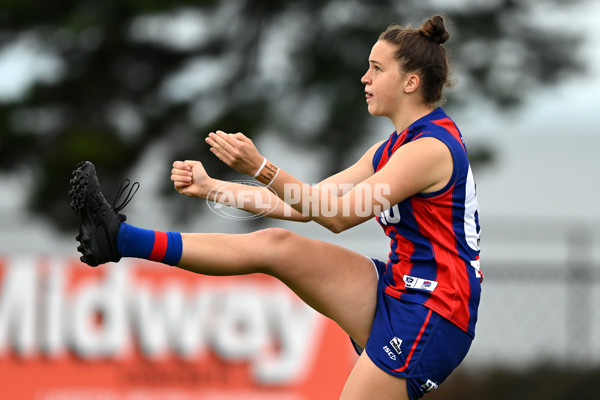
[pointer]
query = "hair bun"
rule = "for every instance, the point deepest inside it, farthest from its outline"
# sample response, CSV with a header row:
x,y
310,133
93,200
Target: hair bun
x,y
435,29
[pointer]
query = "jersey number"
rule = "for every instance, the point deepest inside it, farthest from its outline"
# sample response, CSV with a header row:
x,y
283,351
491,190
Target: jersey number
x,y
390,216
471,213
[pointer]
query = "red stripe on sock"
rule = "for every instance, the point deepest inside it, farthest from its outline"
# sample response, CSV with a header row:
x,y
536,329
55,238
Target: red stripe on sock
x,y
160,246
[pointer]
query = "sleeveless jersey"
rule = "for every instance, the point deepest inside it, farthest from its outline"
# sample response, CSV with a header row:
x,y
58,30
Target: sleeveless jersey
x,y
434,255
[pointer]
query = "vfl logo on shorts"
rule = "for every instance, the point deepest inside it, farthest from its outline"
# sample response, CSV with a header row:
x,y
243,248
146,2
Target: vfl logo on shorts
x,y
429,385
411,282
395,342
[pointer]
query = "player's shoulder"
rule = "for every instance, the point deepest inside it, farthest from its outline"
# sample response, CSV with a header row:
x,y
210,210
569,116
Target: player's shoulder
x,y
373,149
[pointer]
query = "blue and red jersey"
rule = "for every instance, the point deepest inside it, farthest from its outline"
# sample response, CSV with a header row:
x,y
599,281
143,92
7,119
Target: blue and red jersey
x,y
434,255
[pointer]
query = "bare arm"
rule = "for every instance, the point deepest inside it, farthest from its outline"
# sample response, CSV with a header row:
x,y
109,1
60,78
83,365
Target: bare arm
x,y
190,178
424,165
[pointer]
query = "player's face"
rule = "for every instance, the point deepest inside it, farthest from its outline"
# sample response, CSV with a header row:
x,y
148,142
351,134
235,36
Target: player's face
x,y
383,81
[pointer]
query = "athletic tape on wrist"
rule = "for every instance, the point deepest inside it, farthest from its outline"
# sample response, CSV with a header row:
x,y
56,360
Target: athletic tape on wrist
x,y
260,168
276,173
267,173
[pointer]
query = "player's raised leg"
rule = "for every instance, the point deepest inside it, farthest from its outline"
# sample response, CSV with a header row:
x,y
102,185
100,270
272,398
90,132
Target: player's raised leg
x,y
335,281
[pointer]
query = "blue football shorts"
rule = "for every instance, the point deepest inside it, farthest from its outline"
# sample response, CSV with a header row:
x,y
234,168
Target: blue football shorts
x,y
410,341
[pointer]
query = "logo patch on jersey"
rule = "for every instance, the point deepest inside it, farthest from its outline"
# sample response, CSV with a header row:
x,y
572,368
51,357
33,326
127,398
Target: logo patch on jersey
x,y
412,282
396,342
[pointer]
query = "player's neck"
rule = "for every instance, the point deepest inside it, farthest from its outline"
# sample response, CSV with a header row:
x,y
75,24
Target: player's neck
x,y
409,114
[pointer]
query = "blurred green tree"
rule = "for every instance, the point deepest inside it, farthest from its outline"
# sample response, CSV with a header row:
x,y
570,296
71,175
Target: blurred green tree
x,y
127,76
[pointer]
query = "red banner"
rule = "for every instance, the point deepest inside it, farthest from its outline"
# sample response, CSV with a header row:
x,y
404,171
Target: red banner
x,y
139,330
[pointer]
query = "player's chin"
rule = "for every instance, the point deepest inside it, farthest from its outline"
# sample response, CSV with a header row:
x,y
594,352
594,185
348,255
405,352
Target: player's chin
x,y
370,109
374,111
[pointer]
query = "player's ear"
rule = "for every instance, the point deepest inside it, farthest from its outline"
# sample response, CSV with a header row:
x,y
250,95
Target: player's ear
x,y
411,83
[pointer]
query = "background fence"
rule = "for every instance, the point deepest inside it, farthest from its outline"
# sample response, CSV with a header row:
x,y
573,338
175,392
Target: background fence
x,y
538,336
542,279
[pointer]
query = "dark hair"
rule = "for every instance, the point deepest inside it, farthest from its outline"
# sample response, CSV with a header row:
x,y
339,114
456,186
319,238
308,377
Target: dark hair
x,y
421,51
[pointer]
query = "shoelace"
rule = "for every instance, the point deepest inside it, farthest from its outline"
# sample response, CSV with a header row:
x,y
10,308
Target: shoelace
x,y
132,191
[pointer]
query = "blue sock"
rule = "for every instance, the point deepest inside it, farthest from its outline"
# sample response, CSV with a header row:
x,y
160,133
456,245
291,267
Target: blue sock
x,y
164,247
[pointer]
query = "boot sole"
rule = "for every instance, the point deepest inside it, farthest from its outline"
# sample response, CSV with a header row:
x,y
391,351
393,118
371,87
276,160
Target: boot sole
x,y
78,195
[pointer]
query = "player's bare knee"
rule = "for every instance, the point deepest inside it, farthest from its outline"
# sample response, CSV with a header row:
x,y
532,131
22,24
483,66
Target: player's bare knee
x,y
272,246
271,238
